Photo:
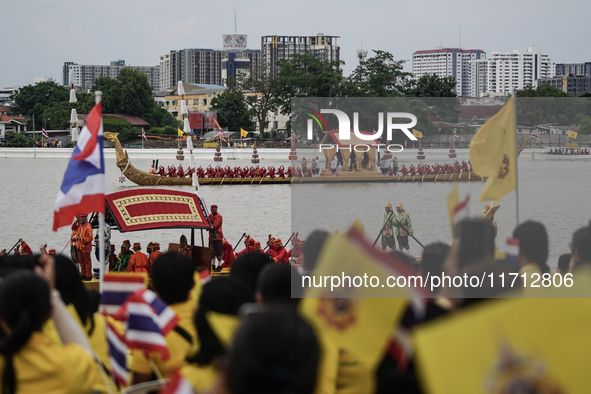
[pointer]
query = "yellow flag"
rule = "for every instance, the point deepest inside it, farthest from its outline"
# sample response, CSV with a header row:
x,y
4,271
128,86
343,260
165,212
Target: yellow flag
x,y
492,153
358,326
572,134
223,326
180,132
417,133
453,199
243,133
508,343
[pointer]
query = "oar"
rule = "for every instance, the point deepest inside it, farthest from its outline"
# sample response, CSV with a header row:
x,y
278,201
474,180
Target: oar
x,y
238,243
383,228
17,242
268,243
65,247
413,237
287,243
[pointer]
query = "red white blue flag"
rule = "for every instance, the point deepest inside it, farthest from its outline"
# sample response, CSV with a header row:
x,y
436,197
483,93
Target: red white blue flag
x,y
149,319
144,134
117,286
177,385
44,133
83,187
456,134
536,137
117,355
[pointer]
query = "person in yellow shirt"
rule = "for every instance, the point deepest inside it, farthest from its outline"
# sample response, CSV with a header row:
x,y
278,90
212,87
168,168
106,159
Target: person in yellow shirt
x,y
172,280
223,296
533,249
29,361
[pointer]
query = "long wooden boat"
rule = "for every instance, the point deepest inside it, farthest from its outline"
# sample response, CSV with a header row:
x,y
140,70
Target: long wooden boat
x,y
143,178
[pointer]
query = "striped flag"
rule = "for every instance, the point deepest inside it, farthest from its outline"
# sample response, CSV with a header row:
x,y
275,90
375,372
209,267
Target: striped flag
x,y
44,133
456,135
117,287
177,385
536,137
83,188
512,250
144,134
149,319
117,355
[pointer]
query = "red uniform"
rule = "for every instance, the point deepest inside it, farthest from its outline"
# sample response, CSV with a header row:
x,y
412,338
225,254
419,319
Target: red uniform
x,y
153,256
84,234
138,262
216,223
228,255
278,252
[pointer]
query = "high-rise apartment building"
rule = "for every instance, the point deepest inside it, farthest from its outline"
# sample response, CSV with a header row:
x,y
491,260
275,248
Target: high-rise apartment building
x,y
198,66
85,75
573,69
275,48
446,62
510,71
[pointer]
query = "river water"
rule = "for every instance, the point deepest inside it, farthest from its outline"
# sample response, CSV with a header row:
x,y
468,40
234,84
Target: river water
x,y
552,189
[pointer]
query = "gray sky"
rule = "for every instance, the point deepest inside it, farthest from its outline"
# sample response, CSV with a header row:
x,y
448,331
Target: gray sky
x,y
39,35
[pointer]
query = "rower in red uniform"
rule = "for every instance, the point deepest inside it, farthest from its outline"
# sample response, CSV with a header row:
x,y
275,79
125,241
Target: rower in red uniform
x,y
138,262
277,251
228,255
296,251
161,171
24,248
153,256
180,173
216,237
248,246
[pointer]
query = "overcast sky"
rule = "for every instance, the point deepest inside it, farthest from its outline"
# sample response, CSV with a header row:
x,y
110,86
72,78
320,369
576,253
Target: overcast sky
x,y
39,35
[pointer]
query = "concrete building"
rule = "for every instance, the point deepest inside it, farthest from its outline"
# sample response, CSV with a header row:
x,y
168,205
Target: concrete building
x,y
575,85
573,69
199,66
275,48
510,71
85,75
5,94
447,62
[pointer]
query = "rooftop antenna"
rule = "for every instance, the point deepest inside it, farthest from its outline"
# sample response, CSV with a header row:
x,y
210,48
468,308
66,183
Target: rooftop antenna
x,y
460,36
235,26
361,54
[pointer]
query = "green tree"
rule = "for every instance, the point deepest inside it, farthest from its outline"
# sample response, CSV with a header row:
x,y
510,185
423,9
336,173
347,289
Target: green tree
x,y
431,85
258,90
304,75
232,110
585,126
34,99
378,76
541,91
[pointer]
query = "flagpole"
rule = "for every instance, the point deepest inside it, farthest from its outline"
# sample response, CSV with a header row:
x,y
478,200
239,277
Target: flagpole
x,y
516,172
98,95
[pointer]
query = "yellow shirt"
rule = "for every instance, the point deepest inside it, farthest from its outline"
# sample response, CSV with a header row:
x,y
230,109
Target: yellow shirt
x,y
200,378
178,346
44,367
98,342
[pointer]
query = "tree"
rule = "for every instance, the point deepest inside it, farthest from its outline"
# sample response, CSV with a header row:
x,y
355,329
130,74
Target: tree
x,y
305,75
258,90
232,110
431,85
541,91
378,76
34,99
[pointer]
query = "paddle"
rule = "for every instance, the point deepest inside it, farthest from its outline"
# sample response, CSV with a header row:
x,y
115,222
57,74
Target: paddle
x,y
287,243
238,243
65,247
383,228
17,242
268,243
397,224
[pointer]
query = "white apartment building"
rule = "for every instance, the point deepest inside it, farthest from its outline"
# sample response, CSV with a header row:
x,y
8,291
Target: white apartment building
x,y
445,62
510,71
85,75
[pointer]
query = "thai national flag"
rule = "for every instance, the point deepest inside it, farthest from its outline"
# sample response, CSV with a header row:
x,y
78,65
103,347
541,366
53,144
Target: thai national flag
x,y
149,319
117,286
456,135
117,355
83,187
512,250
461,211
178,385
537,137
44,133
144,134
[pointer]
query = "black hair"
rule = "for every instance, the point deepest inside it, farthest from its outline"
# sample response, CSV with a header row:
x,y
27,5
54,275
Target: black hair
x,y
67,281
223,295
172,277
433,257
533,243
273,352
312,247
247,268
564,263
24,307
276,282
582,243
